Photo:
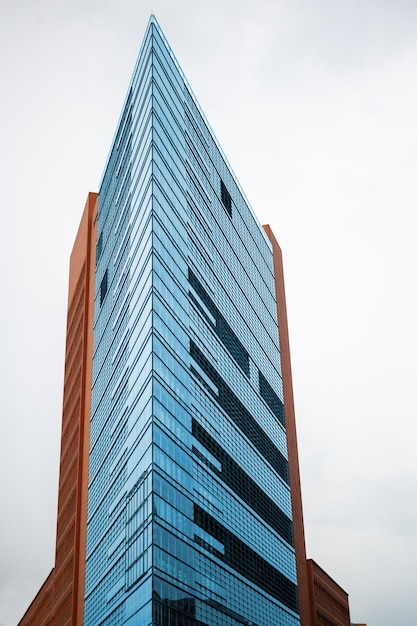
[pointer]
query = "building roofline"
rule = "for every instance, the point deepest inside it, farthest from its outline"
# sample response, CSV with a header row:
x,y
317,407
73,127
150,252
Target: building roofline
x,y
327,575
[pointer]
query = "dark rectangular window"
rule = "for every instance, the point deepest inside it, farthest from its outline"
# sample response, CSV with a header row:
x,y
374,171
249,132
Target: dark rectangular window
x,y
226,198
103,288
222,328
99,247
271,398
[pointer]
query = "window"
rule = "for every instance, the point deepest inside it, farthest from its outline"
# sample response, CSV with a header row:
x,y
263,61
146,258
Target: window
x,y
271,398
226,198
103,288
99,247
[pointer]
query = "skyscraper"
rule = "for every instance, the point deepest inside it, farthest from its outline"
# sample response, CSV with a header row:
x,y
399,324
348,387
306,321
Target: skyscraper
x,y
191,510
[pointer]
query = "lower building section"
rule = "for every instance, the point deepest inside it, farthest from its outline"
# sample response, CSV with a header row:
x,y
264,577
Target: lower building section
x,y
39,611
329,603
181,545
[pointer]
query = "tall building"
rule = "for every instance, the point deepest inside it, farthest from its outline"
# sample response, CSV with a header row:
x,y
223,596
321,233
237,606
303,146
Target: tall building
x,y
178,394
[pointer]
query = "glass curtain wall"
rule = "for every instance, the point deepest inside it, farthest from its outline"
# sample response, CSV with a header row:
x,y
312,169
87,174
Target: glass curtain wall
x,y
189,505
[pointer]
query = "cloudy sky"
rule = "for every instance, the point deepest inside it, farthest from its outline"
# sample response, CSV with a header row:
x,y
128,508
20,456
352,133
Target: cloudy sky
x,y
315,106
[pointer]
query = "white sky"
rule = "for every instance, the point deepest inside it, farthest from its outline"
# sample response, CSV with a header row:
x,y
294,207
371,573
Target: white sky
x,y
315,106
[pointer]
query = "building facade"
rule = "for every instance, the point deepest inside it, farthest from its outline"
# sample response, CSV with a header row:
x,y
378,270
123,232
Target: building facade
x,y
329,602
61,598
191,510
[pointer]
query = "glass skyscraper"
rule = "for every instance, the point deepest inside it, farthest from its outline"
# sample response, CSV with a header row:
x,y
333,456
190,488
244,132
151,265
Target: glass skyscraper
x,y
189,506
194,508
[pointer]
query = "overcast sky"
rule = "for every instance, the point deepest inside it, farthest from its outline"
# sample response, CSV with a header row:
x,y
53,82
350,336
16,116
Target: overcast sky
x,y
315,105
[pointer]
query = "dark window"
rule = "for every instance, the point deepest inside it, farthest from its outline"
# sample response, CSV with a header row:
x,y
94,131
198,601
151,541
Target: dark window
x,y
271,398
103,288
226,198
222,328
99,247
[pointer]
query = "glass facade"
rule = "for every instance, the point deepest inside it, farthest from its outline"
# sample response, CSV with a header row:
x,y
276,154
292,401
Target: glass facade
x,y
189,504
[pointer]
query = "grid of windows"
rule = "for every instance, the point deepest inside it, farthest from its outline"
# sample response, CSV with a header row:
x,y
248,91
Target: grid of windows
x,y
241,416
243,597
236,447
246,488
247,562
208,343
221,327
213,496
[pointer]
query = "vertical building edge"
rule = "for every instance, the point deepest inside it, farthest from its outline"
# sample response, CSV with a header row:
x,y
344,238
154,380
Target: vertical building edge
x,y
291,431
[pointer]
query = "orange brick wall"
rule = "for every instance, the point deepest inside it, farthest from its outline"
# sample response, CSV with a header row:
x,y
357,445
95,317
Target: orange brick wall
x,y
297,509
329,603
60,601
